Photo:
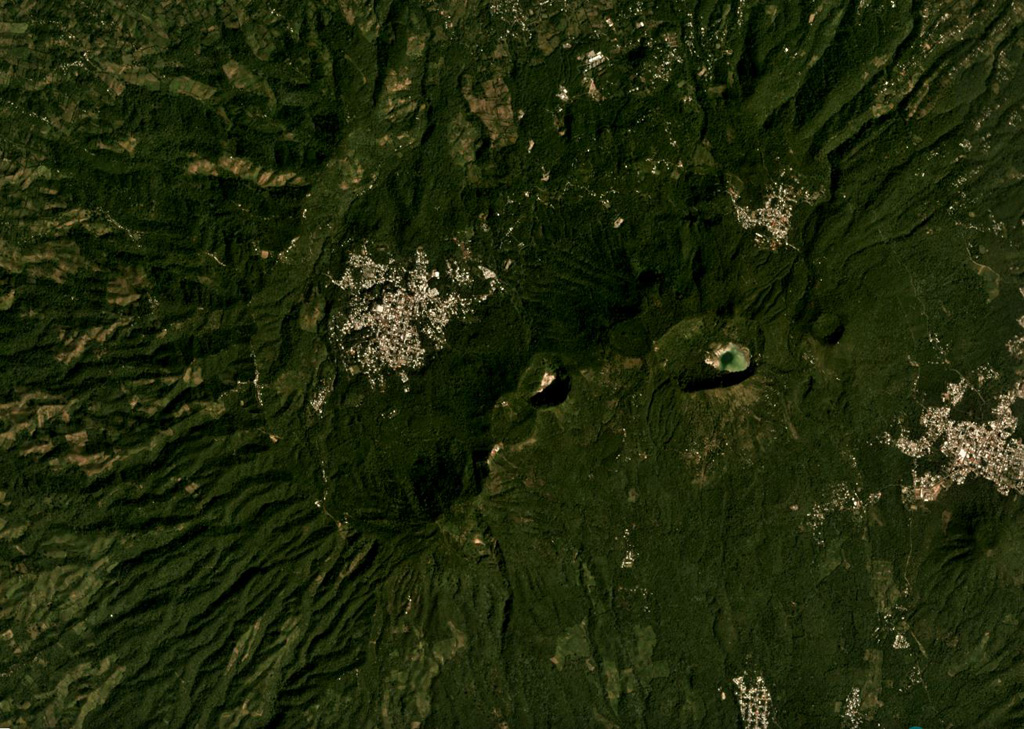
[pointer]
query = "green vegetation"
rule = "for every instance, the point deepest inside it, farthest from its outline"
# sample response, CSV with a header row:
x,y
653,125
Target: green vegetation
x,y
557,365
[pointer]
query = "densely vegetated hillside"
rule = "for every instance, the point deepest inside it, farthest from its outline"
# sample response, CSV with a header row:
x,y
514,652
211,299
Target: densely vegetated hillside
x,y
557,364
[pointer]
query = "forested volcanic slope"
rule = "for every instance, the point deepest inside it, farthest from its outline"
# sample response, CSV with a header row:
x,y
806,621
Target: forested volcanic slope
x,y
562,364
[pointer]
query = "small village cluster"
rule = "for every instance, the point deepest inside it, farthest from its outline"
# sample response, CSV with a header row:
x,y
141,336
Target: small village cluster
x,y
392,316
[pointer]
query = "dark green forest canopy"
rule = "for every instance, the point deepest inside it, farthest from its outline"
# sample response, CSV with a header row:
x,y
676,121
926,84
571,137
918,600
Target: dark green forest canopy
x,y
565,364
